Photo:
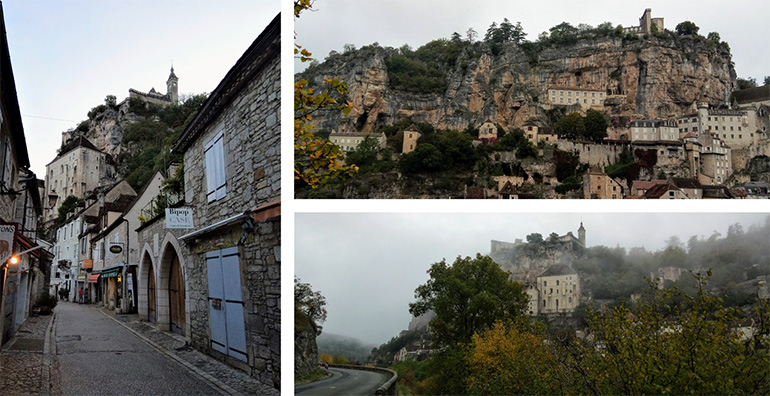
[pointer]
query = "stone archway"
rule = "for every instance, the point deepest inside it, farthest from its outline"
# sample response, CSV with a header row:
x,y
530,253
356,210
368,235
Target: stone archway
x,y
171,293
147,275
176,296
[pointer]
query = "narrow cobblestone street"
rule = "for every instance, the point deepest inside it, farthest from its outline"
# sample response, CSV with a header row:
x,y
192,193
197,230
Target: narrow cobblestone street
x,y
85,350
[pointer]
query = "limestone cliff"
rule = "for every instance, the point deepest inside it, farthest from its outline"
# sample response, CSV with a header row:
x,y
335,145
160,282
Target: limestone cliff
x,y
305,347
657,76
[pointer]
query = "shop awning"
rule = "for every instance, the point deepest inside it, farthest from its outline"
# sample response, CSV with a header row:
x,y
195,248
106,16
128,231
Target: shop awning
x,y
111,272
93,278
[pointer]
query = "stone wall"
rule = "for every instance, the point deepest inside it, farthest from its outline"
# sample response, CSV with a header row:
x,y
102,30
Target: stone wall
x,y
594,154
250,124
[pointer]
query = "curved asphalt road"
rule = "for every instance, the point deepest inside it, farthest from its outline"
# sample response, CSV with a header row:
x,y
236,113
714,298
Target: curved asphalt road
x,y
344,382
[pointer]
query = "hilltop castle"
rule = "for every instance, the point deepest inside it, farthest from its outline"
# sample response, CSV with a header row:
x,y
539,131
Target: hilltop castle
x,y
647,24
171,96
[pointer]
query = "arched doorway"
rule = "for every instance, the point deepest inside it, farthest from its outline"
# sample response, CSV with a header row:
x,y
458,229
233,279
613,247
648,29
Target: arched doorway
x,y
176,296
152,315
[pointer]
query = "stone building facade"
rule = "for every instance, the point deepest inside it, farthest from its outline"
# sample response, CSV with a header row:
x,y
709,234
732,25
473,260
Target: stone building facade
x,y
597,185
411,135
349,141
568,96
170,98
77,170
23,279
218,283
559,288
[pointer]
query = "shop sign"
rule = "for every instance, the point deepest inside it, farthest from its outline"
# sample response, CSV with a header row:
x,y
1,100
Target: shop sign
x,y
117,249
179,218
7,233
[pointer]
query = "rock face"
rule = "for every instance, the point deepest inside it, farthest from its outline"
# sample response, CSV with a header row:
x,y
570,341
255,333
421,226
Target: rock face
x,y
305,347
105,130
647,77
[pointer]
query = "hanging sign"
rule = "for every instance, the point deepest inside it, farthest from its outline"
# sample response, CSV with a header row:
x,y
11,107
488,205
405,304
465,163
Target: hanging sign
x,y
7,233
117,249
179,218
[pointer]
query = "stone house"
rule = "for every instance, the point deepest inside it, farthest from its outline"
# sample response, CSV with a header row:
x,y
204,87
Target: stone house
x,y
218,283
665,191
586,98
597,185
23,279
349,141
411,135
536,134
559,287
77,170
488,130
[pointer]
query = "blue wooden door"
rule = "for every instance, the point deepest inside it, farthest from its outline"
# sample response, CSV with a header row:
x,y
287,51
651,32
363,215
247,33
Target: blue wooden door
x,y
228,331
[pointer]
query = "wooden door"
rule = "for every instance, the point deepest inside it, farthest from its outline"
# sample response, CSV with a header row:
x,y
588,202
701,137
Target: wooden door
x,y
176,297
151,315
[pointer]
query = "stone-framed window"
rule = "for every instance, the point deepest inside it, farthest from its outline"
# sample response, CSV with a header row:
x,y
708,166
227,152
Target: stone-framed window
x,y
216,178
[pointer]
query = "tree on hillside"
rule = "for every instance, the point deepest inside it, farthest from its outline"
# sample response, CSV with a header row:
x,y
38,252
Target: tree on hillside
x,y
670,343
746,83
570,126
686,28
471,34
69,203
595,125
316,161
535,238
714,36
310,303
467,297
505,360
766,81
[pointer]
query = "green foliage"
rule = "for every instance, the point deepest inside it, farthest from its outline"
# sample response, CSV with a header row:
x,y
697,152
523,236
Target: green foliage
x,y
569,184
467,297
671,343
425,158
596,125
746,83
535,238
69,203
686,28
365,154
414,76
149,138
311,303
45,303
571,126
567,164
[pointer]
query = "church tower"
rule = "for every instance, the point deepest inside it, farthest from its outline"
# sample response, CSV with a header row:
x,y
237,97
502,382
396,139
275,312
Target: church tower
x,y
582,234
172,89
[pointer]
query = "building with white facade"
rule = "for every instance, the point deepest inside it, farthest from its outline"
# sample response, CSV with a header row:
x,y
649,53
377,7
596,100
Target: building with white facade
x,y
567,96
78,169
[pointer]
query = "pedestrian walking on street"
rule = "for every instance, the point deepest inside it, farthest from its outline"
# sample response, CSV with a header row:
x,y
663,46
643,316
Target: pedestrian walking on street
x,y
80,295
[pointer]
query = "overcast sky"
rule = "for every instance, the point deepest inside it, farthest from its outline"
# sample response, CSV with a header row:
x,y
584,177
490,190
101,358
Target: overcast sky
x,y
68,55
742,23
368,264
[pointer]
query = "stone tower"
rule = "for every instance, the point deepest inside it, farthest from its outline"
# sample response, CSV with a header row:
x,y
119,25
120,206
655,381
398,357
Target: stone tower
x,y
172,89
582,234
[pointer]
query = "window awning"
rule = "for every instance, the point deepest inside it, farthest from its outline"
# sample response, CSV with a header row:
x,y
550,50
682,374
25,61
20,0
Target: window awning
x,y
93,278
111,272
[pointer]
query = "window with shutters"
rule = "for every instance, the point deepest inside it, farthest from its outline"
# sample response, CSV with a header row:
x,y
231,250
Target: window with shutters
x,y
216,180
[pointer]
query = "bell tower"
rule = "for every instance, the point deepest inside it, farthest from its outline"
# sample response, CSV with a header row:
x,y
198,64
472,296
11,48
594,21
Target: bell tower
x,y
172,89
582,234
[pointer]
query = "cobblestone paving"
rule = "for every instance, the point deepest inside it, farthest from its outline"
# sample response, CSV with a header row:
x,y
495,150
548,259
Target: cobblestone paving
x,y
238,381
23,364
